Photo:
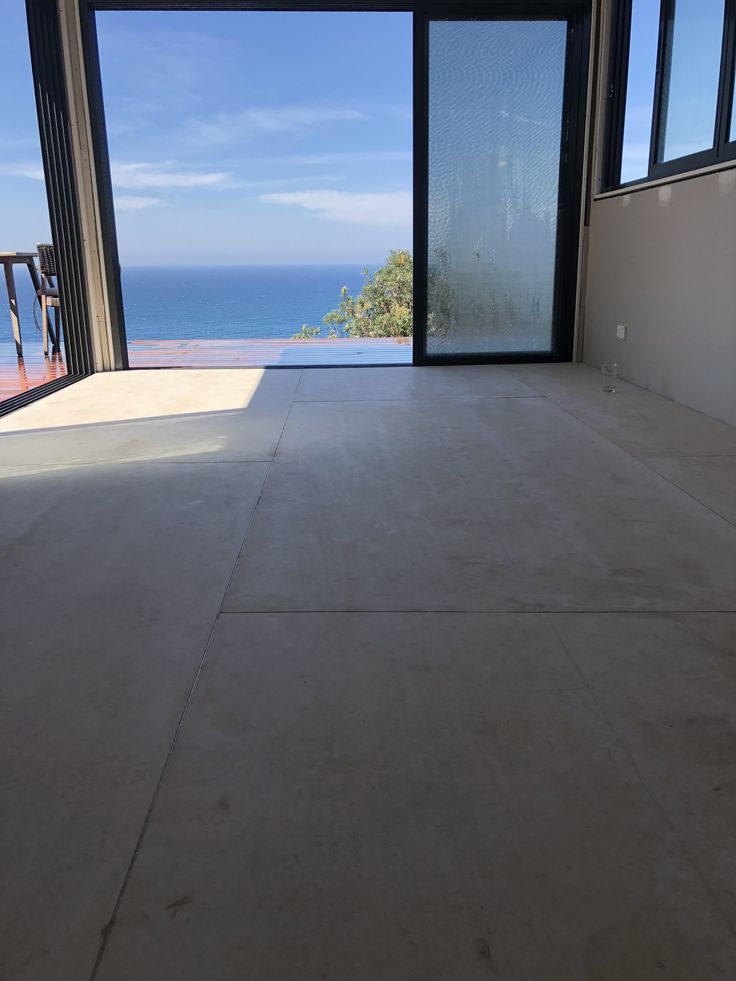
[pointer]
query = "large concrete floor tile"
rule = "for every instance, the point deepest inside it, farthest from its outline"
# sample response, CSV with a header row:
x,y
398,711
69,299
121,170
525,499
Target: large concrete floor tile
x,y
406,798
647,426
484,504
587,525
112,579
668,687
641,423
437,382
710,479
363,511
152,416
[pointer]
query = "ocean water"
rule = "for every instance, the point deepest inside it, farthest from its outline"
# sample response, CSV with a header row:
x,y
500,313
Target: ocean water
x,y
214,302
231,301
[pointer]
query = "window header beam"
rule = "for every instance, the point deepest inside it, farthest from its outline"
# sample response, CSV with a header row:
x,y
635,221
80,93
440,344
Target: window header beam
x,y
423,6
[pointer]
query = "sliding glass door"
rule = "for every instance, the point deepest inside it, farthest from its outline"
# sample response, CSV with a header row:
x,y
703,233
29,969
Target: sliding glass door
x,y
497,240
496,161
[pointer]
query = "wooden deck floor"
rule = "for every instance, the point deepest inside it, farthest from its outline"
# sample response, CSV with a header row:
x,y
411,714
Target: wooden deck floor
x,y
18,375
260,353
21,374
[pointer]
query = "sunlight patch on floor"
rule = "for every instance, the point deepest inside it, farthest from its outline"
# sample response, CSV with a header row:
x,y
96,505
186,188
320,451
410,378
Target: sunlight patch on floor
x,y
131,395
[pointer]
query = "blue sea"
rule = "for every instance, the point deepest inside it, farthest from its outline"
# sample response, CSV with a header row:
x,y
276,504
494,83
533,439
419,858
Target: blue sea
x,y
163,303
231,301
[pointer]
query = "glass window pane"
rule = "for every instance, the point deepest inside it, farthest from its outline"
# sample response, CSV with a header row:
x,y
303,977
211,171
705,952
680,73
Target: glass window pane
x,y
640,89
692,69
733,106
495,117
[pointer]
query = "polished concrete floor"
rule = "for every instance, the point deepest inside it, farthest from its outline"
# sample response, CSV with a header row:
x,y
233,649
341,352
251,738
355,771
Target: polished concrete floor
x,y
367,675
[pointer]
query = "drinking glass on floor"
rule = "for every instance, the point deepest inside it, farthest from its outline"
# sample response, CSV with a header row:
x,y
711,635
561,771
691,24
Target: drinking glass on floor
x,y
609,374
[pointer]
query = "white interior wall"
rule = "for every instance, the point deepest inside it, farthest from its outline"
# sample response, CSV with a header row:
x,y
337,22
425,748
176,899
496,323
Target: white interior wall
x,y
662,262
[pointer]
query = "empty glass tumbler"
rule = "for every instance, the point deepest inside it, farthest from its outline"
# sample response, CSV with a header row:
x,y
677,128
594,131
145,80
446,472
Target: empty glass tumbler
x,y
609,374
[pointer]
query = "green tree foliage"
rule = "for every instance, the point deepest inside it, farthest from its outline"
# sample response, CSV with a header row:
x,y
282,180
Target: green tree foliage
x,y
384,306
307,333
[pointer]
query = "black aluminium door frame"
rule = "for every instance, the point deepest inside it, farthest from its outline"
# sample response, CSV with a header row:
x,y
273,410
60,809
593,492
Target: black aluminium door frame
x,y
577,15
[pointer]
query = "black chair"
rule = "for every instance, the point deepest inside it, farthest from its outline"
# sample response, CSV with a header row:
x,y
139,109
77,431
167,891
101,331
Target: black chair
x,y
48,296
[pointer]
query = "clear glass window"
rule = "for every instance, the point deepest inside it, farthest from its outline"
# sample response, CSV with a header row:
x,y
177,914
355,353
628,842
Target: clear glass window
x,y
690,83
640,89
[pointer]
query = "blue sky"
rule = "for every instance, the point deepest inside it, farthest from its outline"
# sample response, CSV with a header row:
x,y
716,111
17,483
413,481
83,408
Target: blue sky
x,y
640,89
235,136
24,218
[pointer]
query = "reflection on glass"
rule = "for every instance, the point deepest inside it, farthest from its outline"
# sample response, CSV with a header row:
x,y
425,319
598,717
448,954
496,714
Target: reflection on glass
x,y
692,68
640,89
495,117
733,106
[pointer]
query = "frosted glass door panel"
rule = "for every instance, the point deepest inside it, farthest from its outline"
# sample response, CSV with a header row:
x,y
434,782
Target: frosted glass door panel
x,y
495,124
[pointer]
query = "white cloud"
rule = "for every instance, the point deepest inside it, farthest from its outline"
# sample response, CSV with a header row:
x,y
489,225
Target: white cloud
x,y
31,170
253,185
386,208
163,176
130,202
225,127
140,175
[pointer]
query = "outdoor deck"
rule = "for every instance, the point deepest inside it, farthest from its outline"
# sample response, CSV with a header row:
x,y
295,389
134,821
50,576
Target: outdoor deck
x,y
18,375
257,353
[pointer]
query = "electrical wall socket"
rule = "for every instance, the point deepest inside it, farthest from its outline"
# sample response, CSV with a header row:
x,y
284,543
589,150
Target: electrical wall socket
x,y
621,332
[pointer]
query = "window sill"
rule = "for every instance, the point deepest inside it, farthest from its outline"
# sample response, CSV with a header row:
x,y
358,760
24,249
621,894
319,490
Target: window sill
x,y
644,185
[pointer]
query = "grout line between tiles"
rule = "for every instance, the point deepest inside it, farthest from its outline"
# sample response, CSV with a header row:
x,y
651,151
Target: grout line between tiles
x,y
110,925
643,460
494,613
184,463
698,500
428,398
690,456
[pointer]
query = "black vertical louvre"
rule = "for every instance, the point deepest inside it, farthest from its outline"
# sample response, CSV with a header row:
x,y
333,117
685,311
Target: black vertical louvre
x,y
56,149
